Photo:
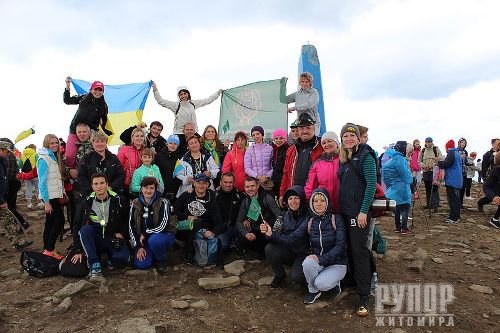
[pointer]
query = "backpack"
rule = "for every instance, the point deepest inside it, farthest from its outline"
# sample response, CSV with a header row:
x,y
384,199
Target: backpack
x,y
205,250
27,167
38,264
379,244
179,106
68,269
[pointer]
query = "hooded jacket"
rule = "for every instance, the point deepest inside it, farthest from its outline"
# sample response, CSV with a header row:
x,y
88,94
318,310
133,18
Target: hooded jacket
x,y
452,165
91,111
30,155
397,177
165,160
235,162
323,173
130,158
258,160
278,162
414,164
110,165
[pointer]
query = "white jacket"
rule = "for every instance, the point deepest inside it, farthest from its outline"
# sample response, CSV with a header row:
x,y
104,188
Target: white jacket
x,y
49,175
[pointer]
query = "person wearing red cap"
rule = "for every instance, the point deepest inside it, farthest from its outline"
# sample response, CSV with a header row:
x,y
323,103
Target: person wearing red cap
x,y
453,179
92,111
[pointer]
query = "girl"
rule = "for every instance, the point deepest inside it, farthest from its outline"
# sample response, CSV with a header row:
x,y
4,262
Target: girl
x,y
234,160
280,146
306,100
258,157
146,170
130,156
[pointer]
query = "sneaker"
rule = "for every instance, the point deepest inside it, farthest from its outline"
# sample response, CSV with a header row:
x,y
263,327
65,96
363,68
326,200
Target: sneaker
x,y
95,270
310,298
161,266
450,221
410,218
23,244
30,206
336,291
276,283
374,284
406,232
362,310
495,223
53,254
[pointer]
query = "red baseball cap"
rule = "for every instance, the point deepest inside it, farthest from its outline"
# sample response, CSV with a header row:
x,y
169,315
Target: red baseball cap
x,y
97,84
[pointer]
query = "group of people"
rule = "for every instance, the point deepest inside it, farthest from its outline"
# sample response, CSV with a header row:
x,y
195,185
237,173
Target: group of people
x,y
302,201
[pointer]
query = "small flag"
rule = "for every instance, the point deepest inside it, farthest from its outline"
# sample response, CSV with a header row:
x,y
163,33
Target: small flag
x,y
24,134
254,210
226,127
178,168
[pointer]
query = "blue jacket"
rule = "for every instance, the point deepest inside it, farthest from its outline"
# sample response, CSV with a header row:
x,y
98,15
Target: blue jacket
x,y
452,166
397,176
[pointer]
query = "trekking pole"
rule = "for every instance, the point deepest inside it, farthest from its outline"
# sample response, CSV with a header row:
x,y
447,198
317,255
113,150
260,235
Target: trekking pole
x,y
427,221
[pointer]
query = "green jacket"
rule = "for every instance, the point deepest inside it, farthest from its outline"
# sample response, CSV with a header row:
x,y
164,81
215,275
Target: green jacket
x,y
142,172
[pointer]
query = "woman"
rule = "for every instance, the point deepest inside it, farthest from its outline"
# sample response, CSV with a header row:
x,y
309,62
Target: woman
x,y
211,143
258,157
151,232
234,161
130,156
416,169
280,251
165,160
358,179
193,163
323,172
306,100
92,111
184,108
50,181
280,146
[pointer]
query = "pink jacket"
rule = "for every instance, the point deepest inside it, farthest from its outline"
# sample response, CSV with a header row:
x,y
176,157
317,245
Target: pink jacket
x,y
235,162
323,173
414,164
130,158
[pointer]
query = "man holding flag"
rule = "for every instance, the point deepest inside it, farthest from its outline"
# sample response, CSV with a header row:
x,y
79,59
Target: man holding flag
x,y
257,207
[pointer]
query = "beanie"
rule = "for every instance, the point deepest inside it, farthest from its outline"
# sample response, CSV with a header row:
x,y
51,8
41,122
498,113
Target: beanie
x,y
258,129
349,127
280,132
400,147
173,139
330,135
450,144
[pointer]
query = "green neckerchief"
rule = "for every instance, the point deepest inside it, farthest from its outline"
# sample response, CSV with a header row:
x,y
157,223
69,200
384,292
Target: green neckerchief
x,y
211,148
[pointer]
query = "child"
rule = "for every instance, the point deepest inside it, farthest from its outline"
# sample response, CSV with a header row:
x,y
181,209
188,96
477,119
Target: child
x,y
146,170
397,176
479,165
280,146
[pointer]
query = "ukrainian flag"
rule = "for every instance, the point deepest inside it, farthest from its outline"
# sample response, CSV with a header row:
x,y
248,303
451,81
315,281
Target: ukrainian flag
x,y
125,105
178,168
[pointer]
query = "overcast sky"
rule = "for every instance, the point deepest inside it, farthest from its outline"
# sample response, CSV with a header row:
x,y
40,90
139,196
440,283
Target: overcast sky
x,y
406,69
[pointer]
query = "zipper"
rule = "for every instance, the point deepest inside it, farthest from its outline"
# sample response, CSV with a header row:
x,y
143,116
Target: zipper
x,y
320,238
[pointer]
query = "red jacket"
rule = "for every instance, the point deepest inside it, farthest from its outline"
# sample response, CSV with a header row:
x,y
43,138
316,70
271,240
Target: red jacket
x,y
234,162
130,158
291,161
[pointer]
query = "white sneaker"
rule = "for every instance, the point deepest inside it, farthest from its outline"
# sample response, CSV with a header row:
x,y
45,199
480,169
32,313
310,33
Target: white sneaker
x,y
30,205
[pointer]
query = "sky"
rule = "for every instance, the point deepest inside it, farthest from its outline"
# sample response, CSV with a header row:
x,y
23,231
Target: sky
x,y
405,69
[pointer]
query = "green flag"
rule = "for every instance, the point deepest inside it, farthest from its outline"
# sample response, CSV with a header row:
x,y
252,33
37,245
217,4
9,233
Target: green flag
x,y
260,103
254,209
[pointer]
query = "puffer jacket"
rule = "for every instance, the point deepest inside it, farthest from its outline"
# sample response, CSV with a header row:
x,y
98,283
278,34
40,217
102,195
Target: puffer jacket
x,y
235,162
278,162
258,160
397,176
323,173
28,154
452,165
130,158
110,165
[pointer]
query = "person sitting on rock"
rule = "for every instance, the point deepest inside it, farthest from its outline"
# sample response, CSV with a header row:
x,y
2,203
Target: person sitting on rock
x,y
151,230
102,228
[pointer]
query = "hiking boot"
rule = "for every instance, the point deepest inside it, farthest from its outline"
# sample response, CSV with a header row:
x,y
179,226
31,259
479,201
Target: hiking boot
x,y
25,224
406,232
23,244
450,221
362,310
276,283
161,266
310,298
495,223
95,270
480,208
53,254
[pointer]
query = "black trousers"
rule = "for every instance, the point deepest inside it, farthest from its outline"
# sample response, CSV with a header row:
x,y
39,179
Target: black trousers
x,y
431,191
258,245
465,190
279,255
484,201
14,187
54,223
453,195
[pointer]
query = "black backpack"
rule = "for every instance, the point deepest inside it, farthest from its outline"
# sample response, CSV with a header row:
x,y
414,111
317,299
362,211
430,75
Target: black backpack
x,y
27,167
38,264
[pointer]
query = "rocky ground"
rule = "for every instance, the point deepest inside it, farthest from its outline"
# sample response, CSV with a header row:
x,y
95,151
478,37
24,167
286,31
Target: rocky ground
x,y
464,255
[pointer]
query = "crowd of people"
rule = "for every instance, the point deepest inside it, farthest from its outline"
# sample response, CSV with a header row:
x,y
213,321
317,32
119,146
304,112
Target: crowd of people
x,y
302,201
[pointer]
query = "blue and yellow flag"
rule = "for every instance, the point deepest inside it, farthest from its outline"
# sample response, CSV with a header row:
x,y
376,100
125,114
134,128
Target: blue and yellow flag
x,y
178,168
125,105
24,134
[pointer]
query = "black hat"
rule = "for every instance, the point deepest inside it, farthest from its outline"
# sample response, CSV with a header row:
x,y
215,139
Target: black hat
x,y
294,123
304,120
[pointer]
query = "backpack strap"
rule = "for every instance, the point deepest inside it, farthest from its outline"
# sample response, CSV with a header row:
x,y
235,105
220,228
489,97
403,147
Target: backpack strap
x,y
179,106
434,149
309,224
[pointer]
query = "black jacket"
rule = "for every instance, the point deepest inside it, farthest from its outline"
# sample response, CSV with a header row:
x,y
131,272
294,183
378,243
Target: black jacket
x,y
270,211
487,163
229,205
165,160
91,111
159,144
92,163
278,162
204,209
3,180
491,185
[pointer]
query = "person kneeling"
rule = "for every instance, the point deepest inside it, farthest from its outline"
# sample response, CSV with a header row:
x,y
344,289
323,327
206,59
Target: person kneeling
x,y
151,232
100,227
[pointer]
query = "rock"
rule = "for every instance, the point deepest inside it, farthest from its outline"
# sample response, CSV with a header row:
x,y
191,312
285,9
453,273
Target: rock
x,y
103,289
441,227
218,283
179,304
203,305
458,244
485,257
470,262
394,238
437,260
471,220
395,255
64,306
466,251
416,266
481,289
485,316
406,256
482,227
446,250
420,236
129,302
398,330
247,283
10,272
237,267
495,311
420,254
73,288
136,325
186,298
265,281
317,305
137,272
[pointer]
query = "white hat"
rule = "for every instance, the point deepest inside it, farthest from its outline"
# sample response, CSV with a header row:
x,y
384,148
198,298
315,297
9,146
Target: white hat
x,y
330,135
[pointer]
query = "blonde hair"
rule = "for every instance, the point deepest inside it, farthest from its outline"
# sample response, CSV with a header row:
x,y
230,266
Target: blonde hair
x,y
306,75
134,132
98,135
362,130
46,142
148,152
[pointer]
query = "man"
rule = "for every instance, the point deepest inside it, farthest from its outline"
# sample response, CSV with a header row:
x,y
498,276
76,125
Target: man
x,y
13,184
153,139
8,220
229,201
300,155
257,206
453,179
486,167
188,132
200,208
428,159
104,224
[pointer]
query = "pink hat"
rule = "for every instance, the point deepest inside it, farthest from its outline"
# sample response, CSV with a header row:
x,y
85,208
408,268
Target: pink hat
x,y
97,84
280,132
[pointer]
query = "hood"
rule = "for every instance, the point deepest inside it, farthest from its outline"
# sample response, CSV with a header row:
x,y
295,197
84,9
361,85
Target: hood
x,y
153,199
392,152
28,153
324,192
459,141
46,151
299,191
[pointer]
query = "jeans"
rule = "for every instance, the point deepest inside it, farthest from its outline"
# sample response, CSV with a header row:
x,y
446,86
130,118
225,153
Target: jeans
x,y
31,184
320,278
156,247
279,255
54,223
401,216
227,237
94,245
453,195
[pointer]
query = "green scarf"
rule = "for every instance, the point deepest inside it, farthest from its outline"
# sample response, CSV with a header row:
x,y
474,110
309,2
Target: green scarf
x,y
212,149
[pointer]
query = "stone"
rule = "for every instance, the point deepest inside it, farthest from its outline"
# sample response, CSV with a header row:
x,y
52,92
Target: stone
x,y
495,310
466,251
130,302
446,250
416,266
485,257
317,305
202,305
179,304
485,316
137,272
441,227
470,262
186,298
74,288
394,238
398,330
255,261
471,220
420,236
64,306
438,260
406,256
237,267
218,283
481,289
482,227
103,289
136,325
10,272
458,244
420,254
265,281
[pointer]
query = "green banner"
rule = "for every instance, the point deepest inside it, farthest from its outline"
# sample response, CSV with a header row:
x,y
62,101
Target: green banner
x,y
260,103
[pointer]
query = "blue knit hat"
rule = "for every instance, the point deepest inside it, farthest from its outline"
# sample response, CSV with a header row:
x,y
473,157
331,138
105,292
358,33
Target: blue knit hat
x,y
428,139
173,139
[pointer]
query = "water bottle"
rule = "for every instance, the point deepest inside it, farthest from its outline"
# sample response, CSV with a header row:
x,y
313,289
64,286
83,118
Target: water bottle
x,y
384,204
